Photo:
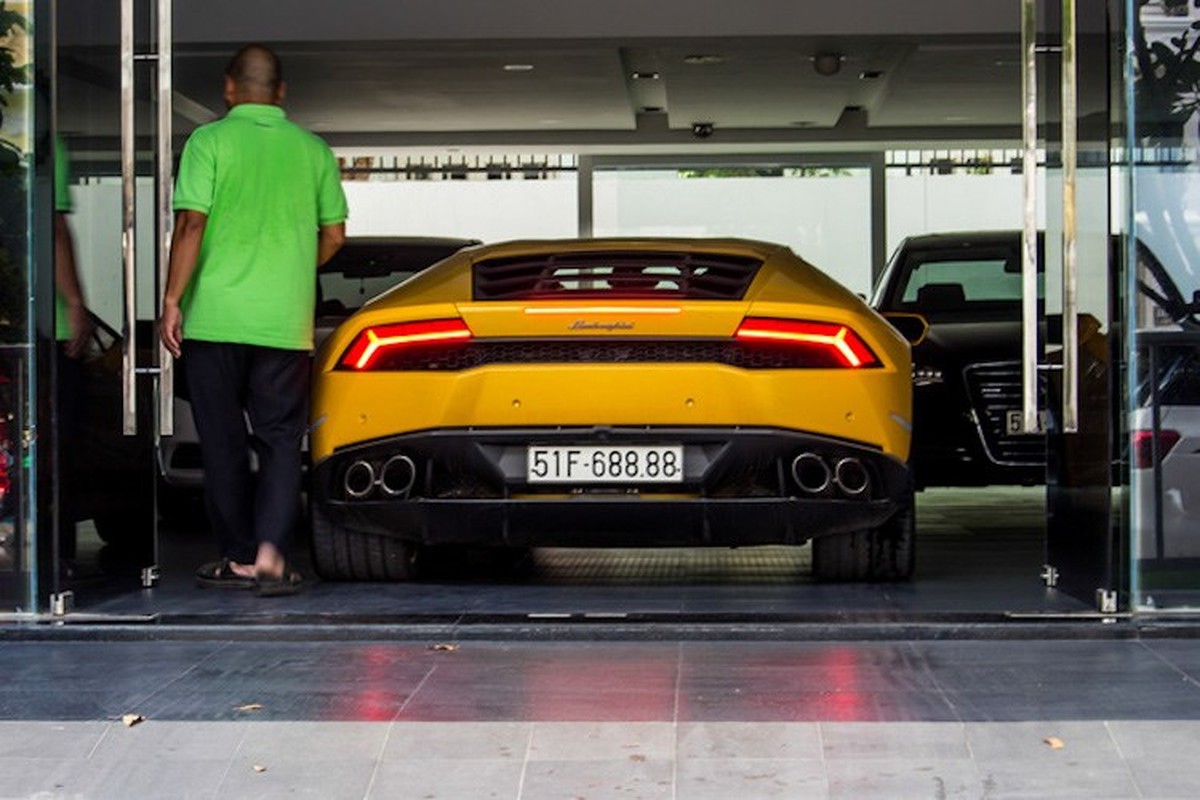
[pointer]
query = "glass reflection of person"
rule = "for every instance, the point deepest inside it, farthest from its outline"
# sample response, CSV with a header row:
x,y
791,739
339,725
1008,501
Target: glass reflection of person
x,y
72,327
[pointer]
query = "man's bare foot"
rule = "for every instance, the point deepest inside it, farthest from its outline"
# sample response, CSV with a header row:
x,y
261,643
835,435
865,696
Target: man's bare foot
x,y
269,563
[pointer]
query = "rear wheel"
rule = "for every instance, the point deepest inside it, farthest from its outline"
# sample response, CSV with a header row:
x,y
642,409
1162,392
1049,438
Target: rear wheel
x,y
884,553
343,554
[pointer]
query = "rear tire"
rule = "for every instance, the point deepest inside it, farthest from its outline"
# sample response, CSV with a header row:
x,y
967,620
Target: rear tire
x,y
887,553
340,554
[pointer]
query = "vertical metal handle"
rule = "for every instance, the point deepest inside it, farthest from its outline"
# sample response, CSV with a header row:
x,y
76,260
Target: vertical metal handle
x,y
1070,160
165,171
1029,294
128,214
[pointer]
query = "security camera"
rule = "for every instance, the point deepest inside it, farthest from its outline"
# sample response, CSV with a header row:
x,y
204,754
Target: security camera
x,y
702,130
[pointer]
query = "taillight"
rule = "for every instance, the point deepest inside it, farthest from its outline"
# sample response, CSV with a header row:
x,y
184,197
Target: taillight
x,y
374,343
1143,446
838,344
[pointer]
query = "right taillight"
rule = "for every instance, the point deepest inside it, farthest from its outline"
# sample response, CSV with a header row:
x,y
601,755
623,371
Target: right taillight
x,y
830,343
372,345
1143,446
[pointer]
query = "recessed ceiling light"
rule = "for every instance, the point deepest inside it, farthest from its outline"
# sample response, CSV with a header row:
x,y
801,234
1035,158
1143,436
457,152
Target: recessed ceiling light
x,y
518,67
645,76
703,58
870,74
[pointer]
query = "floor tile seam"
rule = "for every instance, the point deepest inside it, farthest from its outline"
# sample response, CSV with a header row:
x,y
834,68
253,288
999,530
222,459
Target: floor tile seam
x,y
145,699
379,758
941,691
1187,676
416,690
525,762
1124,760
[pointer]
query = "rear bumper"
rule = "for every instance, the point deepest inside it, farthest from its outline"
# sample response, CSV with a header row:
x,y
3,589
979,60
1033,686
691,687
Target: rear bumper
x,y
738,488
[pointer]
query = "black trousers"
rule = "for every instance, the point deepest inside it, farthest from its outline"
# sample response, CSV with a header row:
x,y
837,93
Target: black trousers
x,y
228,384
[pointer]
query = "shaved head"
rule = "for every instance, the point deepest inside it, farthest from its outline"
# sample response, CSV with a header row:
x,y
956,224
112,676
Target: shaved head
x,y
256,74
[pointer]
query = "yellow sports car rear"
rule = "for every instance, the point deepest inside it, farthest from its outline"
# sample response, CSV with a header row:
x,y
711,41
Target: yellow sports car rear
x,y
614,392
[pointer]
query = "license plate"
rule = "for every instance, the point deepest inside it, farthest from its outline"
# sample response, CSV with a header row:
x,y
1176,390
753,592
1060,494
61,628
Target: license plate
x,y
605,464
1012,423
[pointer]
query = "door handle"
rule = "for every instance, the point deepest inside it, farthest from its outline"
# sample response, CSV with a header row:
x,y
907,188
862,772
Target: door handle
x,y
1030,356
129,424
1070,162
166,375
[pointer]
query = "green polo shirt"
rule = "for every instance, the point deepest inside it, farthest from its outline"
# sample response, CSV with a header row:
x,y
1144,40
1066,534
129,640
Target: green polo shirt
x,y
266,185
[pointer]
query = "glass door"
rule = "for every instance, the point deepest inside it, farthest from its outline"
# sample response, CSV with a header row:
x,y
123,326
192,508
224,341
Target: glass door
x,y
111,73
18,329
1073,346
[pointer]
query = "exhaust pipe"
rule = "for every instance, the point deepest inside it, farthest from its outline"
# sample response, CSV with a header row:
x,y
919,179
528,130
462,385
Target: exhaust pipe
x,y
359,479
397,475
811,473
852,476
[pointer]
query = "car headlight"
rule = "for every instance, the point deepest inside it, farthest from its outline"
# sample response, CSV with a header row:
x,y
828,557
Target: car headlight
x,y
926,376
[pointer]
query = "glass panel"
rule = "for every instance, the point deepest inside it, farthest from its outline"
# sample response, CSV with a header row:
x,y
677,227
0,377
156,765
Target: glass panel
x,y
821,213
107,479
1163,422
17,539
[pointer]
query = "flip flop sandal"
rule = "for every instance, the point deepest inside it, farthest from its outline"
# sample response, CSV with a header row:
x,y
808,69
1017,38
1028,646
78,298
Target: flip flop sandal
x,y
220,575
291,582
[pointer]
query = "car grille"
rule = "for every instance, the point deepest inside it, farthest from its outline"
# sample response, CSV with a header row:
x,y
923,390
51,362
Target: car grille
x,y
633,275
604,351
995,389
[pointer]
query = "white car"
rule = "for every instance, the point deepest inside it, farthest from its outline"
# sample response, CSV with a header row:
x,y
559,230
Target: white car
x,y
1177,488
362,269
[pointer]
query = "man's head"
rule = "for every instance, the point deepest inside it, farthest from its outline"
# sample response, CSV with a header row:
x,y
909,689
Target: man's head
x,y
254,75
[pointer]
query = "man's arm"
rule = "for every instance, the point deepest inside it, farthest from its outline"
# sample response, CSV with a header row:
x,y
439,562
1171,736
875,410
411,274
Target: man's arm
x,y
329,240
66,280
185,253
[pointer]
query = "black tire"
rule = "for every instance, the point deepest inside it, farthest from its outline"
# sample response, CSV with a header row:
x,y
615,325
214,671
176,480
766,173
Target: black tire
x,y
887,553
340,554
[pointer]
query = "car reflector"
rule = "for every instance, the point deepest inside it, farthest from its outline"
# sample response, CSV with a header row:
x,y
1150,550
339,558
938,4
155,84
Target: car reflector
x,y
374,342
845,346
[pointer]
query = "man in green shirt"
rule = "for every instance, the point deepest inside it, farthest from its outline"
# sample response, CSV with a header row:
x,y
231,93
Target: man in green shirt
x,y
259,206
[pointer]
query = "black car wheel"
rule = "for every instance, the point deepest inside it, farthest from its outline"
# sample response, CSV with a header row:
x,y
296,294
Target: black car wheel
x,y
886,553
342,554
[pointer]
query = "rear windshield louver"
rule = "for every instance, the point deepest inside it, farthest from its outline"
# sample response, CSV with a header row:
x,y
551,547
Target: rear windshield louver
x,y
692,276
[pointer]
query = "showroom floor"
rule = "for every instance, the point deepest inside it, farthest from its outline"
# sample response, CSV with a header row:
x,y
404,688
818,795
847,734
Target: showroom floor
x,y
980,555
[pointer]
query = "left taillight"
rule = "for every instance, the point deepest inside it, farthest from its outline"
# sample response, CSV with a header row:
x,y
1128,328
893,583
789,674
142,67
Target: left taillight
x,y
373,344
830,342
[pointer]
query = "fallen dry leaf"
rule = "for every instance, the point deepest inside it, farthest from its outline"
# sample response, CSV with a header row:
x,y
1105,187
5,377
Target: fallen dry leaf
x,y
129,720
249,707
1054,742
259,768
447,647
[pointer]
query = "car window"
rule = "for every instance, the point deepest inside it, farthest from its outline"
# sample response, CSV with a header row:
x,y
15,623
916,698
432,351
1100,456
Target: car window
x,y
340,294
948,282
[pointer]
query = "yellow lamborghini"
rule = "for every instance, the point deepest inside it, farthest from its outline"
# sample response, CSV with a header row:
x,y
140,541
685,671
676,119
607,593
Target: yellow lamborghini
x,y
613,392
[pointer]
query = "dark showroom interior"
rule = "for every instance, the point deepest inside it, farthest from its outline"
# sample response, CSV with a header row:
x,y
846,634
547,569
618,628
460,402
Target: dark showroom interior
x,y
1005,191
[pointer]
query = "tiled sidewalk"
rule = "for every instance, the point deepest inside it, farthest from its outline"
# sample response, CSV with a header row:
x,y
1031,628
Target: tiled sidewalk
x,y
1108,718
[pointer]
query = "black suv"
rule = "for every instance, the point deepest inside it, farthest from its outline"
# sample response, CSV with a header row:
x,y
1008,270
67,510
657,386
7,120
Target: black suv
x,y
957,296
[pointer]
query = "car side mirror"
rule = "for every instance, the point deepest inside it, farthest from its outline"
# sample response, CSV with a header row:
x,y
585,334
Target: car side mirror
x,y
913,327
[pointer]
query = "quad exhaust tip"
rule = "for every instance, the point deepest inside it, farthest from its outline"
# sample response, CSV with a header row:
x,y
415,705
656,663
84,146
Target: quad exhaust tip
x,y
811,473
852,476
397,476
359,479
